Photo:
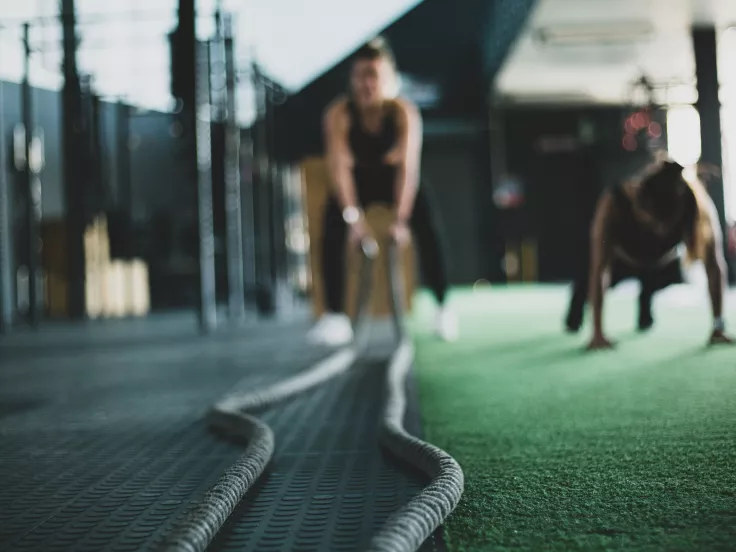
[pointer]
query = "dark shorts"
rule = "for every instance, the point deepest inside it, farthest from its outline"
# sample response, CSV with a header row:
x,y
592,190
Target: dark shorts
x,y
653,279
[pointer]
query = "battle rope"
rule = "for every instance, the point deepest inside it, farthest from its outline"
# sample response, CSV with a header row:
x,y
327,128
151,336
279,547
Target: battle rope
x,y
407,528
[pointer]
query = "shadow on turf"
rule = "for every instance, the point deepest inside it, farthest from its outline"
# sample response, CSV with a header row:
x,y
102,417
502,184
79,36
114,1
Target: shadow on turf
x,y
468,351
553,347
550,349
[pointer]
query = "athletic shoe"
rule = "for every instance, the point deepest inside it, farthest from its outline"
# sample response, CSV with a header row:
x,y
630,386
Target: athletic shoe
x,y
573,321
332,330
646,321
447,327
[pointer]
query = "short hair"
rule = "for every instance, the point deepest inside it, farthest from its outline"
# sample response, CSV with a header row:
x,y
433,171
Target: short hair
x,y
378,48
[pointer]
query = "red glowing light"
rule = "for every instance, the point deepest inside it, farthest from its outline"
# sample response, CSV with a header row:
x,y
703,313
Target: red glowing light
x,y
640,121
629,143
655,130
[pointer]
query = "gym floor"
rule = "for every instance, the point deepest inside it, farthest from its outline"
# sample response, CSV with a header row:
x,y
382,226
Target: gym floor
x,y
103,445
631,449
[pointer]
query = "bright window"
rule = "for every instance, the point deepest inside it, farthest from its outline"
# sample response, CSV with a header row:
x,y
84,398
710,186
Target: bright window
x,y
683,134
125,48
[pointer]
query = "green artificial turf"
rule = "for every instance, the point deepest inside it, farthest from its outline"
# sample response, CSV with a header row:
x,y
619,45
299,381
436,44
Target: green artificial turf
x,y
632,449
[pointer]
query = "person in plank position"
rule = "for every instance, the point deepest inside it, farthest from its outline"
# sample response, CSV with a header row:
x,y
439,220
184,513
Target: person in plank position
x,y
636,233
373,144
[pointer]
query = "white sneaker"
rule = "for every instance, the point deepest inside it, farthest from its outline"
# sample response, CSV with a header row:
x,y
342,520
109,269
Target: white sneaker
x,y
447,327
332,330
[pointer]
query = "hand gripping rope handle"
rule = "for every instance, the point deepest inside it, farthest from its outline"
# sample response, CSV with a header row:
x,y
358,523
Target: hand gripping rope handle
x,y
407,528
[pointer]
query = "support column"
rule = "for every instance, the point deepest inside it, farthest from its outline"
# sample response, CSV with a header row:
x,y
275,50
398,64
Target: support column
x,y
73,161
248,196
263,192
31,189
709,108
122,152
233,214
191,83
6,257
124,192
203,146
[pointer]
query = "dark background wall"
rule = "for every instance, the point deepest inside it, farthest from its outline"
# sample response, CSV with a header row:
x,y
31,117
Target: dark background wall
x,y
46,105
161,182
562,184
453,166
157,178
160,227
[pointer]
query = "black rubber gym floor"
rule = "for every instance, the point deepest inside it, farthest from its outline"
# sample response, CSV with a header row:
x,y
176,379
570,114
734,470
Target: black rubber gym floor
x,y
103,444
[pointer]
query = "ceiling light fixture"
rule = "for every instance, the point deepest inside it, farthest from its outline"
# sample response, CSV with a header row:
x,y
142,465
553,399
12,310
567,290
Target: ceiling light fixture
x,y
604,33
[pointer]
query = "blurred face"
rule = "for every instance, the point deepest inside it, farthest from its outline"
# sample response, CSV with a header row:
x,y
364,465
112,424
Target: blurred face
x,y
370,79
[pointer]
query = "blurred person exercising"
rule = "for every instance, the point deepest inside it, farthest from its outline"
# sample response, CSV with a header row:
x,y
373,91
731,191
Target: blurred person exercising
x,y
373,144
636,233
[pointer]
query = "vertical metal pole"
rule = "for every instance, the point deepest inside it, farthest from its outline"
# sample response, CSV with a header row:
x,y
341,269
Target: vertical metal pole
x,y
73,159
248,204
6,259
124,193
125,187
190,75
122,128
274,184
208,307
30,186
705,47
272,194
278,240
233,215
264,230
97,168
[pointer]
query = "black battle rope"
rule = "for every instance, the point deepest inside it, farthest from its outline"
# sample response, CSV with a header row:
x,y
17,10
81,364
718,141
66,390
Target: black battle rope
x,y
407,528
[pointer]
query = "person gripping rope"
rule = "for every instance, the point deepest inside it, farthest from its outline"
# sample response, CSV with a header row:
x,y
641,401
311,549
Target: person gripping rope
x,y
373,144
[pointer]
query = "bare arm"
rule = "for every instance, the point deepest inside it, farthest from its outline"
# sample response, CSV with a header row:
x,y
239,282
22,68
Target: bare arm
x,y
339,158
715,263
407,158
600,258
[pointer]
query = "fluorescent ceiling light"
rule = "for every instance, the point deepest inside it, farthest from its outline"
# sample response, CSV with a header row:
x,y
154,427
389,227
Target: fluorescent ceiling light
x,y
540,98
619,32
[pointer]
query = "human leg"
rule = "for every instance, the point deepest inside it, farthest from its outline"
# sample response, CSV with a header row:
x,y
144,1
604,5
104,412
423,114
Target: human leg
x,y
653,281
334,234
646,294
578,300
334,327
427,234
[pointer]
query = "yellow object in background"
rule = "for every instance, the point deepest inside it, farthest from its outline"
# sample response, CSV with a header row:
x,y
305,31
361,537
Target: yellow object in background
x,y
316,186
113,288
520,261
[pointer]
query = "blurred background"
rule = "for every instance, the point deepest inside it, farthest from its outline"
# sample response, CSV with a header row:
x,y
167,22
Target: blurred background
x,y
152,155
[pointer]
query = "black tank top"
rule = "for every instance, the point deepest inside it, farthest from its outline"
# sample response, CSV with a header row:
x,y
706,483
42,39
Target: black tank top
x,y
637,240
369,148
373,178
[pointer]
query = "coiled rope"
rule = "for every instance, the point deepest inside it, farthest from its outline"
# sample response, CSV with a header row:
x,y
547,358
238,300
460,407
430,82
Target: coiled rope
x,y
405,530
